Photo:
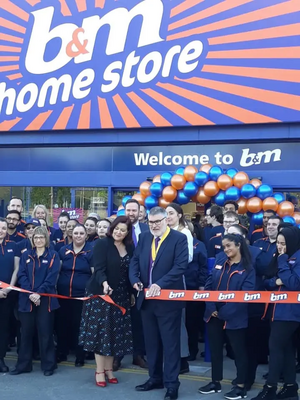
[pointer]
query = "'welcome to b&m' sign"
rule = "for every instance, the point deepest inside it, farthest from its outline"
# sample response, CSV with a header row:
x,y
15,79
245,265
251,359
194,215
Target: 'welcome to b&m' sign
x,y
88,64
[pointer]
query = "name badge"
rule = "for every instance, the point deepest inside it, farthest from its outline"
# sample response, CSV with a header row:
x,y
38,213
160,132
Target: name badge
x,y
292,262
219,266
10,250
217,246
45,262
219,234
23,251
68,252
28,261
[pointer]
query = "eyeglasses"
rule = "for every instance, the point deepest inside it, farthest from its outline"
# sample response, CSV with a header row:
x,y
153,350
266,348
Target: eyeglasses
x,y
39,238
157,222
12,220
230,222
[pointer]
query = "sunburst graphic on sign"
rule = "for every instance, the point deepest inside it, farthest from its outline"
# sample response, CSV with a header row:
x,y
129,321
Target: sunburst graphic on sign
x,y
249,72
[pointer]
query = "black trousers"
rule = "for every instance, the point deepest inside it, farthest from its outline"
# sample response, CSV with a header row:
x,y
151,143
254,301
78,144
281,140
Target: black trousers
x,y
68,318
6,309
282,352
237,340
258,333
194,323
43,320
137,332
162,339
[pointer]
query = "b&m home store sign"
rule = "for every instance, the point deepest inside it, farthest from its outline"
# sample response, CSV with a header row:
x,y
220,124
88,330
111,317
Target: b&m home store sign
x,y
67,64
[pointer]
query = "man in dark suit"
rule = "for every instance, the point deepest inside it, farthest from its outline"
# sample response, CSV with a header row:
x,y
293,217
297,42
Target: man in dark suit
x,y
159,262
132,211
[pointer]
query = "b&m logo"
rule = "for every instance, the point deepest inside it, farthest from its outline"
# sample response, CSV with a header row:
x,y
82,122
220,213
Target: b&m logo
x,y
67,64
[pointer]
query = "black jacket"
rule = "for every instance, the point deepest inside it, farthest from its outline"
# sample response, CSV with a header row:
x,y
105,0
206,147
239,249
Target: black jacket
x,y
106,262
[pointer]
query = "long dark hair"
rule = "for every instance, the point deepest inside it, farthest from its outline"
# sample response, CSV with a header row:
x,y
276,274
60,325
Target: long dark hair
x,y
122,220
240,242
179,210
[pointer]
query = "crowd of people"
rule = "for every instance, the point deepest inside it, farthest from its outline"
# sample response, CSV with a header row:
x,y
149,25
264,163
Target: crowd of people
x,y
121,257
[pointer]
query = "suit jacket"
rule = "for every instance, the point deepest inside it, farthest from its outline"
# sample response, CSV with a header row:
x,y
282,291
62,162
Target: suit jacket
x,y
169,267
143,227
106,262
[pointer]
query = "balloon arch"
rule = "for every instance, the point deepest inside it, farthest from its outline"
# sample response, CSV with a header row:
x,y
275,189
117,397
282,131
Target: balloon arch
x,y
213,184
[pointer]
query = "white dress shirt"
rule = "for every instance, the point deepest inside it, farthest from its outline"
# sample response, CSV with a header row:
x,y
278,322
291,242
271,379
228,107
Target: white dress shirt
x,y
137,230
190,241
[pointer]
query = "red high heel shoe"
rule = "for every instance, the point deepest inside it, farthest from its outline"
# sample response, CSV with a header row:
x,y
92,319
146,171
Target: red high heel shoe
x,y
100,383
112,380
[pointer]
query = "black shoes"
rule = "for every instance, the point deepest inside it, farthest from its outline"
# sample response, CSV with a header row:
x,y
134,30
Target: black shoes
x,y
116,364
140,361
288,392
172,394
248,385
16,371
184,366
236,393
61,358
3,367
268,393
147,386
212,387
48,373
79,362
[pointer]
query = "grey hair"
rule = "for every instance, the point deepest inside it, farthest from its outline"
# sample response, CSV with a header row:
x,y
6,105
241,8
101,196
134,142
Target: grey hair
x,y
158,210
41,230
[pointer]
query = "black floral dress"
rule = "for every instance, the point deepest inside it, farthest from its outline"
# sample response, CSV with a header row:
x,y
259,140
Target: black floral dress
x,y
104,329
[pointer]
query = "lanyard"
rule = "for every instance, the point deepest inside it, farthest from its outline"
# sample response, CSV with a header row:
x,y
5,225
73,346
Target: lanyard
x,y
154,251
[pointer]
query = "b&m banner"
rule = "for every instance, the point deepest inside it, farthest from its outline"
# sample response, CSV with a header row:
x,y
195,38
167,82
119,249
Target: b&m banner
x,y
89,64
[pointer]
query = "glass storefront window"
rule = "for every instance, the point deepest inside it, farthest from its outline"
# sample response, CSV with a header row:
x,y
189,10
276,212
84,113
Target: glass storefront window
x,y
92,200
118,196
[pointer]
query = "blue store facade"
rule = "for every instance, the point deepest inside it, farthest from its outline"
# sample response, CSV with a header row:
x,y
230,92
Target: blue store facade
x,y
97,96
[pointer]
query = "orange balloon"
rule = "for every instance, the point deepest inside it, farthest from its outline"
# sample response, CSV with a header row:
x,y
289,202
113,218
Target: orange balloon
x,y
145,189
194,199
190,172
169,194
297,218
270,204
163,203
139,198
240,179
205,168
242,203
178,181
211,188
254,205
224,182
285,208
156,178
255,182
202,197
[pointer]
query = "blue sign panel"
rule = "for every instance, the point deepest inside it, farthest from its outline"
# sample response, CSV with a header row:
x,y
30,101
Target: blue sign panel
x,y
90,64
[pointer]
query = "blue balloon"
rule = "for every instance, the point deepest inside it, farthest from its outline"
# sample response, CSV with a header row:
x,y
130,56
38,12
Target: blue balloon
x,y
190,189
215,172
289,219
151,202
182,198
125,199
233,194
201,178
165,178
257,218
299,226
120,213
264,191
220,198
179,171
232,172
248,191
156,189
279,197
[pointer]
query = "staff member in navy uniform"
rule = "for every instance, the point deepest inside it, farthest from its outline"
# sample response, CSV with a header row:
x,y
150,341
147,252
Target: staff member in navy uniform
x,y
285,318
13,219
60,233
26,244
215,243
69,235
216,220
236,273
159,262
91,229
9,266
16,204
38,273
76,270
262,233
41,212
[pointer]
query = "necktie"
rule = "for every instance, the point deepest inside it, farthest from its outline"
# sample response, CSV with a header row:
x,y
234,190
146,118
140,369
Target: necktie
x,y
134,236
156,242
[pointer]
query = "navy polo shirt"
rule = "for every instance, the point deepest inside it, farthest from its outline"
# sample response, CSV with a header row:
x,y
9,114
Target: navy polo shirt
x,y
15,237
215,246
75,270
8,252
